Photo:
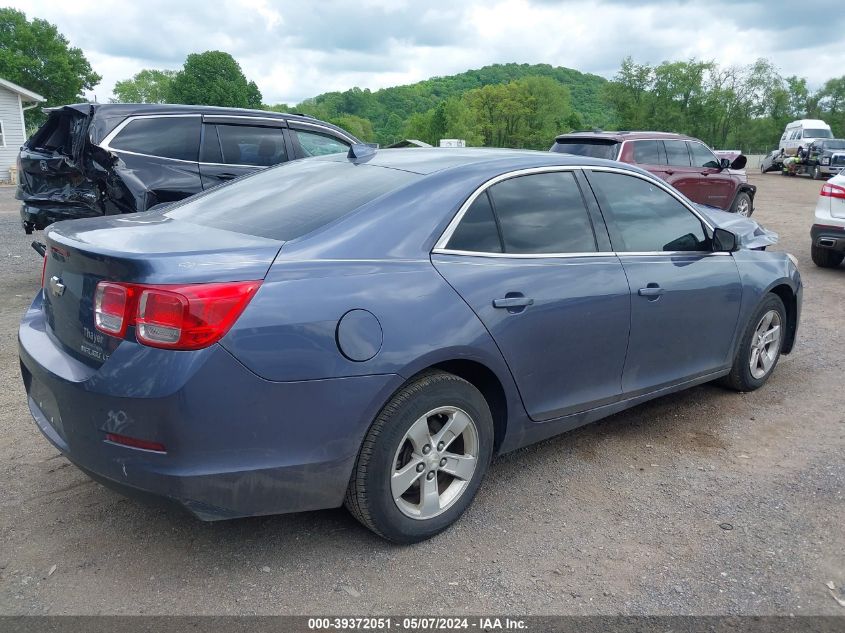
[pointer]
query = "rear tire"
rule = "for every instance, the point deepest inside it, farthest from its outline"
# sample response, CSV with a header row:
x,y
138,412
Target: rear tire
x,y
402,486
759,349
826,258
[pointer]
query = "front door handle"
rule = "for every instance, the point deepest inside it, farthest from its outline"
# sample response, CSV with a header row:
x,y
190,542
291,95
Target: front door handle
x,y
227,176
669,172
652,291
512,302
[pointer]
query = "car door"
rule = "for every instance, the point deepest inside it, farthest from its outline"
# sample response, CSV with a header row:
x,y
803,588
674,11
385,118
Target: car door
x,y
685,298
235,146
315,140
158,162
525,257
680,173
718,187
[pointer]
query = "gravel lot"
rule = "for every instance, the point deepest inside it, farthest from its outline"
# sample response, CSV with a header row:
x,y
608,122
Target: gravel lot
x,y
630,515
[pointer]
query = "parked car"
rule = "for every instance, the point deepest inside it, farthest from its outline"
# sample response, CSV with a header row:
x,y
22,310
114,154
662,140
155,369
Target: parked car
x,y
370,329
684,162
828,232
824,158
803,133
104,159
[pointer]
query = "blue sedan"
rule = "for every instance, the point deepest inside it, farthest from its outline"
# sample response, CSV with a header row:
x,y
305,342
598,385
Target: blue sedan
x,y
370,329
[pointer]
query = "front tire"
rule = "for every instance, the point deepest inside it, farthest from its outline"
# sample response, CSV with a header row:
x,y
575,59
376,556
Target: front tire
x,y
742,205
423,459
825,258
817,173
759,349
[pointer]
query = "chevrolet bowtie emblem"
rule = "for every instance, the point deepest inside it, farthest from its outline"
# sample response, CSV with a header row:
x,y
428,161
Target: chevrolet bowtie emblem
x,y
56,286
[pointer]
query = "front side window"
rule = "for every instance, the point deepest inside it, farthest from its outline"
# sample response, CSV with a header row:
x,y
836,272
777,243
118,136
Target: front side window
x,y
251,145
477,231
542,213
166,137
646,153
317,144
703,157
643,218
677,154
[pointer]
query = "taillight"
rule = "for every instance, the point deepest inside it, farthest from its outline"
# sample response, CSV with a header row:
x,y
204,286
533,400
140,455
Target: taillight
x,y
111,307
176,317
833,191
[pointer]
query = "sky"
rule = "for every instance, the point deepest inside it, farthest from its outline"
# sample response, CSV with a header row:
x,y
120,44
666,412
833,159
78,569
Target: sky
x,y
298,49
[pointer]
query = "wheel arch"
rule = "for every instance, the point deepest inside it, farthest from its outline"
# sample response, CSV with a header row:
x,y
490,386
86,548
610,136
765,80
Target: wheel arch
x,y
790,302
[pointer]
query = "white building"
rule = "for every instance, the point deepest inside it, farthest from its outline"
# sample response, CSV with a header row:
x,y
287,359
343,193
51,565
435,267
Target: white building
x,y
13,101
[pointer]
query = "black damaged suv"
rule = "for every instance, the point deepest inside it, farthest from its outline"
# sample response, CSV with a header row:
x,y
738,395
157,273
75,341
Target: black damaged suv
x,y
104,159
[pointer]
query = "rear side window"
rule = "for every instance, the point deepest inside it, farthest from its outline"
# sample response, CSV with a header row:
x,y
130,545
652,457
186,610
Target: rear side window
x,y
542,213
167,137
676,153
477,231
595,148
292,199
248,145
316,144
646,153
642,217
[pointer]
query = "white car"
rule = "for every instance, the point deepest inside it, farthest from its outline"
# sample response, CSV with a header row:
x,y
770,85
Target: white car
x,y
828,232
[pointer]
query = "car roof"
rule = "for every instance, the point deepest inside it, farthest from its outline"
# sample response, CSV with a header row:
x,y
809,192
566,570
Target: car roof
x,y
425,160
623,135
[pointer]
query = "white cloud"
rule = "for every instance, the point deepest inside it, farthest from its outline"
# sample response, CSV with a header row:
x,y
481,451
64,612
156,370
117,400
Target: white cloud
x,y
295,49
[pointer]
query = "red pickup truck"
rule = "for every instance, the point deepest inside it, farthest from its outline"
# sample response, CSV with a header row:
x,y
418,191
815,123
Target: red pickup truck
x,y
683,161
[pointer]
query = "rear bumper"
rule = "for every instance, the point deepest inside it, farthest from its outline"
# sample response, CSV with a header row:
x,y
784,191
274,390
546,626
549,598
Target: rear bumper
x,y
830,237
236,444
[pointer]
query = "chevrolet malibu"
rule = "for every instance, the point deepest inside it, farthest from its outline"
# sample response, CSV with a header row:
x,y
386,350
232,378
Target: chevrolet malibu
x,y
370,329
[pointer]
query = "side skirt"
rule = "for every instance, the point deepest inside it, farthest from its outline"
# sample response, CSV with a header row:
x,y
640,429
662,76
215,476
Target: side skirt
x,y
539,431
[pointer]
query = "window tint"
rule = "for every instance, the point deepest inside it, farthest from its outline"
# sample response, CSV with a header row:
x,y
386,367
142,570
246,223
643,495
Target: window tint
x,y
168,137
676,153
644,218
316,144
543,213
646,153
595,148
292,199
477,231
248,145
702,157
818,134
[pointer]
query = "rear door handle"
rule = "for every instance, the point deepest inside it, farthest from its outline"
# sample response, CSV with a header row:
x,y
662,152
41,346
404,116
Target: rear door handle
x,y
513,302
227,176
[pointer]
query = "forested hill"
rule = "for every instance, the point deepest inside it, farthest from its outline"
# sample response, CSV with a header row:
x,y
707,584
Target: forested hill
x,y
389,109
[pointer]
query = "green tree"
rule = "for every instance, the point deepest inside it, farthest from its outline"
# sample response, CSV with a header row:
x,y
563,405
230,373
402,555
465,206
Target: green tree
x,y
214,78
36,56
147,86
357,126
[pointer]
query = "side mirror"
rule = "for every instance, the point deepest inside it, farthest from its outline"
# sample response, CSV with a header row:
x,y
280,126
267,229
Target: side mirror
x,y
739,162
724,163
724,241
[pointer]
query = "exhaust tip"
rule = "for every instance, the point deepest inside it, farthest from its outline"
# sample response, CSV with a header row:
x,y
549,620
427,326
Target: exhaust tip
x,y
826,242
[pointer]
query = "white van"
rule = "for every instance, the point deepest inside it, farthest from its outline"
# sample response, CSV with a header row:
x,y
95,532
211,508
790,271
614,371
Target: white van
x,y
803,133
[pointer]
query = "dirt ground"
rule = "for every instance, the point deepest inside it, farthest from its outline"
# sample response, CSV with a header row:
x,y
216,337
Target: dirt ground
x,y
705,502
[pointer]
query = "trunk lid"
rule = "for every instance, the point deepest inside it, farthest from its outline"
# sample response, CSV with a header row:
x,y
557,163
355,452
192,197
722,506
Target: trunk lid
x,y
146,248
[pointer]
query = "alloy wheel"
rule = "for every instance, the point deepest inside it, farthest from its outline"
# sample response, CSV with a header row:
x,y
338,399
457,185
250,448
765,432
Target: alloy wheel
x,y
434,462
743,207
765,344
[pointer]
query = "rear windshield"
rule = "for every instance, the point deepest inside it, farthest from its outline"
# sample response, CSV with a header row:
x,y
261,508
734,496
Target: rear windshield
x,y
595,148
292,199
63,132
818,134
